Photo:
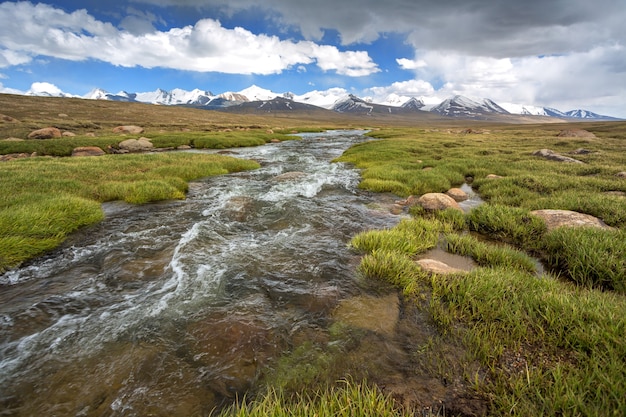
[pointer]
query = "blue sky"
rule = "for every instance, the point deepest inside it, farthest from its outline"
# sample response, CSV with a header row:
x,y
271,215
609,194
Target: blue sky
x,y
565,54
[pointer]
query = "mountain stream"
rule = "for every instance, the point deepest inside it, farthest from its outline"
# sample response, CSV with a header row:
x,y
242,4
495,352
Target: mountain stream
x,y
175,308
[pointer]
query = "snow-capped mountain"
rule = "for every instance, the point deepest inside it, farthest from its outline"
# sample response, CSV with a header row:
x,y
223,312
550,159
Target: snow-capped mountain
x,y
413,103
352,104
337,99
325,99
176,97
586,114
460,106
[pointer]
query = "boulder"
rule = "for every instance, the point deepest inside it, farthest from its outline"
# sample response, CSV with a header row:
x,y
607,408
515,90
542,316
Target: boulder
x,y
566,218
553,156
437,267
581,151
457,194
8,119
130,129
88,151
12,156
575,133
69,134
136,145
45,133
437,201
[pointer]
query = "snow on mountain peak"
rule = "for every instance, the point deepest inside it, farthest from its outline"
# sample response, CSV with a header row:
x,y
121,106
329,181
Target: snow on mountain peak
x,y
256,93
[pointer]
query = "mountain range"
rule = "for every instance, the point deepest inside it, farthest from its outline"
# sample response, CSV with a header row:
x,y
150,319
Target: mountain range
x,y
335,99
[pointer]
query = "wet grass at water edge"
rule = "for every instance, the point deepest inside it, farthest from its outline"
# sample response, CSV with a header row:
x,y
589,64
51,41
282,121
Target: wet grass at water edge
x,y
45,199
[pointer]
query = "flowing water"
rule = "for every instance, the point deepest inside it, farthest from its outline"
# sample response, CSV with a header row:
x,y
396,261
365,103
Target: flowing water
x,y
176,307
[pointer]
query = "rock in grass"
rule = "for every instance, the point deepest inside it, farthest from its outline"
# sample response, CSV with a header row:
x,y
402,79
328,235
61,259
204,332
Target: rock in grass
x,y
45,133
136,145
69,134
575,133
130,129
88,151
437,201
621,174
566,218
553,156
437,267
457,194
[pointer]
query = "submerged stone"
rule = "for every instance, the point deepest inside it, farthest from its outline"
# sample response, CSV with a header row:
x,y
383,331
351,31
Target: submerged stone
x,y
378,314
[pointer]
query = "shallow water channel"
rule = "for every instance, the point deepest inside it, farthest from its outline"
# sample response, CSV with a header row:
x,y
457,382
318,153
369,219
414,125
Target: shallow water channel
x,y
176,308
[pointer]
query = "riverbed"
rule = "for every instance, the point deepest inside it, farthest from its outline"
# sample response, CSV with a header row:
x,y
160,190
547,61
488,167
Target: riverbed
x,y
178,307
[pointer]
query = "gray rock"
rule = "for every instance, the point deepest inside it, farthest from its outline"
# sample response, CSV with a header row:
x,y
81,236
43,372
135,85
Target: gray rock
x,y
136,145
553,156
566,218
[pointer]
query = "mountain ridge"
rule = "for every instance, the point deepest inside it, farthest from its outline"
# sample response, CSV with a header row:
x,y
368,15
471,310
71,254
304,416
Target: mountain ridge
x,y
339,100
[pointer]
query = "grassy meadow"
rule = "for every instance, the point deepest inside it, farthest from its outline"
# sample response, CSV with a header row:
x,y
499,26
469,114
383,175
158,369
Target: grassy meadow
x,y
549,345
546,345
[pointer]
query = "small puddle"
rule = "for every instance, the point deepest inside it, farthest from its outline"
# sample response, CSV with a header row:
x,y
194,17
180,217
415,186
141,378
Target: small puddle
x,y
464,263
473,201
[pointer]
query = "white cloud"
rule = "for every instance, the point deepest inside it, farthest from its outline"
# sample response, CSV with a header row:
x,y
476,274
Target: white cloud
x,y
39,88
42,30
7,90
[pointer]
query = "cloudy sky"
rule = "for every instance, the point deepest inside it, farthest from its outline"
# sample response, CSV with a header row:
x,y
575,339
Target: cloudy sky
x,y
565,54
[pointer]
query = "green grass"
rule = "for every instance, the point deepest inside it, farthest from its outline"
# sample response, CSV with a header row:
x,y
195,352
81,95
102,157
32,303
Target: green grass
x,y
346,399
109,142
547,346
591,257
45,199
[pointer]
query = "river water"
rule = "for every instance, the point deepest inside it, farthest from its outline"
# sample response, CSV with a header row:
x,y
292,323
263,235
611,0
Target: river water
x,y
177,307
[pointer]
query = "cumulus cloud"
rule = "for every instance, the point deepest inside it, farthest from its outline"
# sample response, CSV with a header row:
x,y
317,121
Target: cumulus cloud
x,y
42,30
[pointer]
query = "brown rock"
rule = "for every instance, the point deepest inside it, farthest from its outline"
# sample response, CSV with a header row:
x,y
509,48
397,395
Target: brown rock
x,y
575,133
437,267
567,218
12,156
183,147
88,151
457,194
437,201
275,141
90,134
493,176
621,174
68,134
45,133
8,119
136,145
130,129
